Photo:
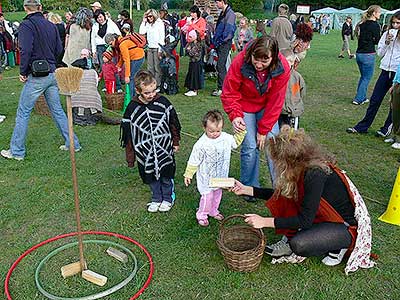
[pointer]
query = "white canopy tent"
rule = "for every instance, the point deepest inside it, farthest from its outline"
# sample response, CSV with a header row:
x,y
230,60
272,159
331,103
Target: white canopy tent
x,y
340,16
325,11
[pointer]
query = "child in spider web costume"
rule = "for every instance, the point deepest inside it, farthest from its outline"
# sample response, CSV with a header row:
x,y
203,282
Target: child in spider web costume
x,y
151,134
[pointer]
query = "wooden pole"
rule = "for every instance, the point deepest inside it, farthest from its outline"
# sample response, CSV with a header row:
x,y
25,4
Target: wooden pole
x,y
75,182
130,10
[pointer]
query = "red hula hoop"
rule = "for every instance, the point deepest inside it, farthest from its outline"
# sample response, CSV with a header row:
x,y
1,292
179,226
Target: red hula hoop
x,y
58,237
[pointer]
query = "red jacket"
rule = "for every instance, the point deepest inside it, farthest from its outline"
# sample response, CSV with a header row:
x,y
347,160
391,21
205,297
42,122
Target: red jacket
x,y
108,71
241,91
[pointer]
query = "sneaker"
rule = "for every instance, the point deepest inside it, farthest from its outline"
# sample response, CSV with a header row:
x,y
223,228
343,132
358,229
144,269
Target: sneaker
x,y
165,206
382,133
389,140
334,258
7,154
281,248
65,148
340,56
2,118
216,93
119,91
249,199
103,89
190,93
351,130
396,145
351,56
360,103
153,206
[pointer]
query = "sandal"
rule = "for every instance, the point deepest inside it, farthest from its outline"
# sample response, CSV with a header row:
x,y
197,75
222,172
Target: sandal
x,y
203,222
218,217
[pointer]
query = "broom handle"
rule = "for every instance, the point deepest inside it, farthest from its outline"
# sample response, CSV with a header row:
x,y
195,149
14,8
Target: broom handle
x,y
75,181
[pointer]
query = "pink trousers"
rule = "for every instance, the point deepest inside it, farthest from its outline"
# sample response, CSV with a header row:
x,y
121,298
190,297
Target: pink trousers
x,y
209,204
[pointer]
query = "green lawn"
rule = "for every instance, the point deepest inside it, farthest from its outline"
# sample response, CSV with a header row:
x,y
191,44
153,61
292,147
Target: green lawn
x,y
36,202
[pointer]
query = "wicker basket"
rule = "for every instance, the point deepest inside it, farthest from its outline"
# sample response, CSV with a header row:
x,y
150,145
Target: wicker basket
x,y
242,246
115,101
41,107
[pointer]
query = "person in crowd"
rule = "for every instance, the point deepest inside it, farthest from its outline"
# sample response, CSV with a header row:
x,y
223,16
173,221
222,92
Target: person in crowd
x,y
347,34
169,65
281,28
365,55
69,19
206,11
301,40
126,29
253,96
295,93
129,55
313,205
395,104
181,23
125,19
95,7
38,39
292,19
101,27
210,158
7,25
2,62
194,50
244,34
108,72
389,50
195,22
151,134
154,29
78,37
260,29
224,34
7,37
324,24
57,20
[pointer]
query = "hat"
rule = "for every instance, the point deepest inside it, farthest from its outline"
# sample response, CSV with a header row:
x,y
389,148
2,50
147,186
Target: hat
x,y
193,34
126,26
108,54
85,52
32,3
97,4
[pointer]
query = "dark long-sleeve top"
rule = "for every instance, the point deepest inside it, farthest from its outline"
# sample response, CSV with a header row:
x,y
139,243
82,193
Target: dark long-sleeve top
x,y
347,29
32,47
370,33
317,184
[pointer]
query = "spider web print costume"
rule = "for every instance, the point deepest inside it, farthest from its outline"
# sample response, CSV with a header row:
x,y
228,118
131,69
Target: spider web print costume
x,y
152,129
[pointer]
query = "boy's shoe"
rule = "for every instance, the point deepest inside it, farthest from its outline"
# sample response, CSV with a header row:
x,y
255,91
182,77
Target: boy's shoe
x,y
334,258
383,133
216,93
281,248
2,118
65,148
351,56
119,91
353,130
7,154
389,140
360,103
340,56
165,206
396,145
190,93
103,89
153,206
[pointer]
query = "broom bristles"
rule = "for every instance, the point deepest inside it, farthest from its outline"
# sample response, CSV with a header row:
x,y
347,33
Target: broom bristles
x,y
68,79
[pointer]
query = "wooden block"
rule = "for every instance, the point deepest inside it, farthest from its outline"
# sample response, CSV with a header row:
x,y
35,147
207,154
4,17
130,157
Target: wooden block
x,y
71,269
122,257
94,277
222,182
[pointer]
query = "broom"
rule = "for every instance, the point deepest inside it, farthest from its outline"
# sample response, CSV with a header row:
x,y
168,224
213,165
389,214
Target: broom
x,y
69,80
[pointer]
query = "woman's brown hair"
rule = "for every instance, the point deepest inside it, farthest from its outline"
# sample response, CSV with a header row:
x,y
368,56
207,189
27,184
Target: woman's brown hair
x,y
293,151
262,48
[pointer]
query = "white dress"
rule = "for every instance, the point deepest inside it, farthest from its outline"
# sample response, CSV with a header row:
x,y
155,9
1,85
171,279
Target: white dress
x,y
212,157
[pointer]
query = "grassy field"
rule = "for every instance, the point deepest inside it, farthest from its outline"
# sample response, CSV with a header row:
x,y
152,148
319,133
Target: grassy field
x,y
36,202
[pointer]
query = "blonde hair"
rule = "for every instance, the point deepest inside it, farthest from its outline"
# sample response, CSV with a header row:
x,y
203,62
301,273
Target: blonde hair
x,y
283,9
293,151
370,11
152,12
54,18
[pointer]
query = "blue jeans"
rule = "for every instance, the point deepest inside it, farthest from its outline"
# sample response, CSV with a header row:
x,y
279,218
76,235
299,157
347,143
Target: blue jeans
x,y
163,189
33,88
135,67
366,65
382,86
100,49
249,153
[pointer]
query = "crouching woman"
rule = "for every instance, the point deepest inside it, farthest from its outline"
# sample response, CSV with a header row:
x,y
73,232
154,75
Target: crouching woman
x,y
313,205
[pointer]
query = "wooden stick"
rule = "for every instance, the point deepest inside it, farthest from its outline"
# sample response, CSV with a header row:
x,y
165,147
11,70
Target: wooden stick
x,y
75,182
71,269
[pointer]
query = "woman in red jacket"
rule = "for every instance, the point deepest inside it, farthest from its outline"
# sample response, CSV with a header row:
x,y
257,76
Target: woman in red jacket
x,y
253,94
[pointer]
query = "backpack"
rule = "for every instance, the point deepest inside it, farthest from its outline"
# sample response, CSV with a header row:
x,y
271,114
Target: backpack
x,y
138,39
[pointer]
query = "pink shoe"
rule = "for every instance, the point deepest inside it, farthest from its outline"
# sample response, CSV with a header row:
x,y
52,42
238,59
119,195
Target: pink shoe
x,y
218,217
203,222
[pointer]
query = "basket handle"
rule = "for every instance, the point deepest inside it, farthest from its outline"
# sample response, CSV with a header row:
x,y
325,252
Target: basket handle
x,y
224,221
